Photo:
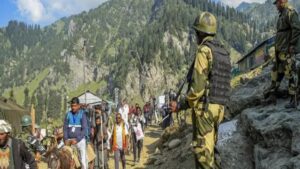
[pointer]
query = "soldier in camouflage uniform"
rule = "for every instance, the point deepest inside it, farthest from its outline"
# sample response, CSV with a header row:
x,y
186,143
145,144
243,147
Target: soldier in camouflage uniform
x,y
26,124
208,92
287,49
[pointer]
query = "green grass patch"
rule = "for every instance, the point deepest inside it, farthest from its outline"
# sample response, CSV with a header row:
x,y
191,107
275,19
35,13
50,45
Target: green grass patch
x,y
32,85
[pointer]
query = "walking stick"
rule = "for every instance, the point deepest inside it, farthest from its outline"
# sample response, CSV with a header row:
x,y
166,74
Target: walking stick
x,y
97,149
164,119
102,153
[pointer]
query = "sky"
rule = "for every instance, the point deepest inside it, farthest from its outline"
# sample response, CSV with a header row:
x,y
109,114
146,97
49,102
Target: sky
x,y
42,12
235,3
45,12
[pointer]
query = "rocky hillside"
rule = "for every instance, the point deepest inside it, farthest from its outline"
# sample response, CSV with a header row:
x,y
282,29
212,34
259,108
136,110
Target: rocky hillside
x,y
254,135
268,135
265,13
143,47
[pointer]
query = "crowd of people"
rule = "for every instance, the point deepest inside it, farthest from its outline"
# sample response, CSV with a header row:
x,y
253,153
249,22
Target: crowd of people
x,y
119,133
89,132
92,133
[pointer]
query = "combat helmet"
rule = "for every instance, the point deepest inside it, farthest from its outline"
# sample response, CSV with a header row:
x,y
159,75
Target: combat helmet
x,y
26,121
206,23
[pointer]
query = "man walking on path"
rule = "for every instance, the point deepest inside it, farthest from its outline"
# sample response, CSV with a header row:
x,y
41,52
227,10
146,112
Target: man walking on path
x,y
100,141
137,135
124,111
119,141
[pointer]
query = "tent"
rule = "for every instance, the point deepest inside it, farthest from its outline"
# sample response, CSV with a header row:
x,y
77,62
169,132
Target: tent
x,y
89,98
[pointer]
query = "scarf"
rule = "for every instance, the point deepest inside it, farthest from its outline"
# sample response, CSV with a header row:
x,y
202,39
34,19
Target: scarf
x,y
4,158
114,140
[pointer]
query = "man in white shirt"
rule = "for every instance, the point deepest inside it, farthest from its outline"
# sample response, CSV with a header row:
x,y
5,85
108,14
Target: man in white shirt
x,y
124,111
119,141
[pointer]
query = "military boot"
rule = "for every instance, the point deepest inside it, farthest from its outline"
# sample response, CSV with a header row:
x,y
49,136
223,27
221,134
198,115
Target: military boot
x,y
293,103
270,90
271,99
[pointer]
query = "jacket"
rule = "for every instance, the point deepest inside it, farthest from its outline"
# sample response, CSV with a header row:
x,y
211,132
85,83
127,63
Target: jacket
x,y
75,125
22,156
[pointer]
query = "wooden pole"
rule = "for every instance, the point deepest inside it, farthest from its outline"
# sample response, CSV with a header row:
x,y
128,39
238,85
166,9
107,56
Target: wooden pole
x,y
32,113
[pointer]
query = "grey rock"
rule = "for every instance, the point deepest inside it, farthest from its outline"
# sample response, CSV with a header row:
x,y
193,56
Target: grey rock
x,y
158,162
250,94
153,158
166,144
174,143
157,151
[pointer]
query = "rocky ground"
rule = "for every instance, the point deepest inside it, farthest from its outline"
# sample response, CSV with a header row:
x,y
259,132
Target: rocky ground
x,y
173,149
253,135
267,136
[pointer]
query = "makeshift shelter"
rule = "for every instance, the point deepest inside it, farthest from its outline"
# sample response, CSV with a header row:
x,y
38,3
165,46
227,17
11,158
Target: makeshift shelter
x,y
89,98
12,112
257,56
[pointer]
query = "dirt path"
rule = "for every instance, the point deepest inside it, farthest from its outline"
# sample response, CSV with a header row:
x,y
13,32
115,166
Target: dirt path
x,y
152,134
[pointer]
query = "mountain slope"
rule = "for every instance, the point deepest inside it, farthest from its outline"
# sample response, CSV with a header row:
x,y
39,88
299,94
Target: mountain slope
x,y
143,47
245,6
265,13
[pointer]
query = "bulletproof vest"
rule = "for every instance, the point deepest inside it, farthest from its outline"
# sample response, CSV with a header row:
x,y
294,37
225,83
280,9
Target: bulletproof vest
x,y
220,74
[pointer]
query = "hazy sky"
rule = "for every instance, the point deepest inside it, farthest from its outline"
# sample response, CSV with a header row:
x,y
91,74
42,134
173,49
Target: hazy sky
x,y
45,12
42,12
235,3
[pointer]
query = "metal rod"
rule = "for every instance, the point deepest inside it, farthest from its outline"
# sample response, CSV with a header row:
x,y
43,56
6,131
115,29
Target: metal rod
x,y
102,158
164,119
84,64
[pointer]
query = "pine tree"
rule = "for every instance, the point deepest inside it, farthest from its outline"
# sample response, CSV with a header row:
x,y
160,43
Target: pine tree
x,y
26,98
12,95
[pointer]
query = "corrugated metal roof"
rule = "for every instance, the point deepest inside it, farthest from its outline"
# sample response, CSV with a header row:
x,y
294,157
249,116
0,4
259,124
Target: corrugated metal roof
x,y
268,41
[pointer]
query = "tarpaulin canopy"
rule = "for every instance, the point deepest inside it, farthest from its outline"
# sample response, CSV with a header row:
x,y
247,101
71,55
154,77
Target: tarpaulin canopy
x,y
12,112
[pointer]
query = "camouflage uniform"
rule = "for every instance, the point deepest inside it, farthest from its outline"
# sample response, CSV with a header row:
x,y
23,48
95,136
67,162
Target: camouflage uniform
x,y
287,36
205,120
206,114
24,137
26,131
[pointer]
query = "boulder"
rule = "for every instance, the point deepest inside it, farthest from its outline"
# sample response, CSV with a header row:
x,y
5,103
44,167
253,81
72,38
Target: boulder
x,y
174,143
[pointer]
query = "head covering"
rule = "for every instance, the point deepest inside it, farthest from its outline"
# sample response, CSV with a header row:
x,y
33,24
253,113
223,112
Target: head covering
x,y
5,127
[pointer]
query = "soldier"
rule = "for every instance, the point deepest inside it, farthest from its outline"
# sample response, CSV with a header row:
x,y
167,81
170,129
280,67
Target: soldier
x,y
287,45
32,141
26,124
208,91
